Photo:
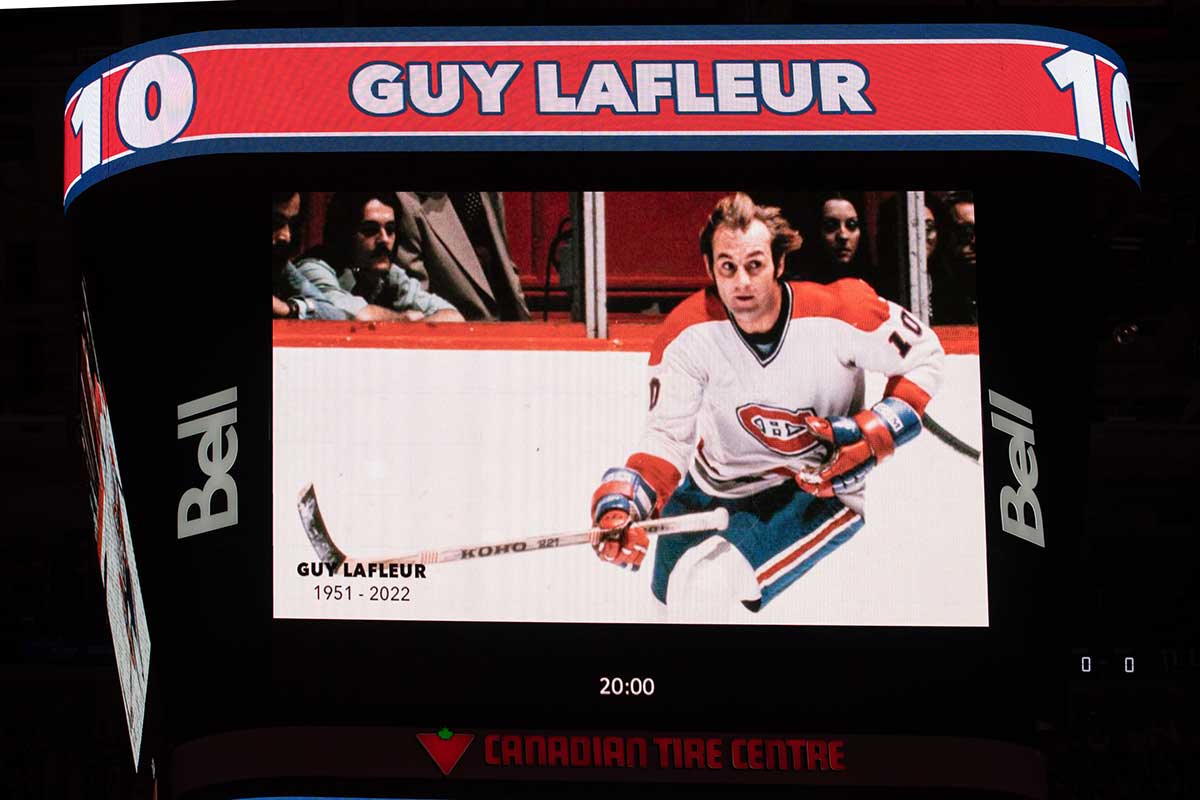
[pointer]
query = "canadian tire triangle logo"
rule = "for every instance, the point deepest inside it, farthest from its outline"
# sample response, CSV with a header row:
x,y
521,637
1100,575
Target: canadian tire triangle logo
x,y
445,748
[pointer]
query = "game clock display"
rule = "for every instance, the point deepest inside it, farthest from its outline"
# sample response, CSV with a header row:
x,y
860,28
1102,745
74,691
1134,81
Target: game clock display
x,y
633,687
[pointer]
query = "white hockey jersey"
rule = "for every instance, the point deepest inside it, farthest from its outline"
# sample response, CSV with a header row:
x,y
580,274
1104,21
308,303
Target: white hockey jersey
x,y
734,418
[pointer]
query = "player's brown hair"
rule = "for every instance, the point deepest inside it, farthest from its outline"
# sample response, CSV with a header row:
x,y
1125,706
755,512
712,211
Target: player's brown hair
x,y
738,211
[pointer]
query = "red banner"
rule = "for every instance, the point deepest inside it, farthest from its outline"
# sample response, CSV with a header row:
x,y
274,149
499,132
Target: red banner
x,y
396,755
845,88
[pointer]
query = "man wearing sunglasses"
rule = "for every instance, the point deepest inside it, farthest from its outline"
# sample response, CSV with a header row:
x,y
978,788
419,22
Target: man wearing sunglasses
x,y
354,267
953,299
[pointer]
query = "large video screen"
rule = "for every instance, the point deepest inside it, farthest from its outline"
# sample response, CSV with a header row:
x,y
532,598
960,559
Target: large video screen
x,y
780,426
114,545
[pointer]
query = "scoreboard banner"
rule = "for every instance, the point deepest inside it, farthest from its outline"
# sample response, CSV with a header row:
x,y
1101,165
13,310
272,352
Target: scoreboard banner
x,y
829,88
668,759
446,453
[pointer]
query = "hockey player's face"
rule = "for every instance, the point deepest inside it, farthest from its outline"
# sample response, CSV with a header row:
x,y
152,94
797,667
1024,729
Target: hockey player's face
x,y
375,237
840,230
747,280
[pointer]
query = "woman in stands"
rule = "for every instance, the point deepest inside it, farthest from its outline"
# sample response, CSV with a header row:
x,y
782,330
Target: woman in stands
x,y
834,242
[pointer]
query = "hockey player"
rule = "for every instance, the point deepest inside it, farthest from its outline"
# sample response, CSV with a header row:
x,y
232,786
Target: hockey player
x,y
756,404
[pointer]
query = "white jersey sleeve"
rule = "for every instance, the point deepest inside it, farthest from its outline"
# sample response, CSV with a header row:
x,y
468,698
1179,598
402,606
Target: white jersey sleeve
x,y
679,376
900,347
676,390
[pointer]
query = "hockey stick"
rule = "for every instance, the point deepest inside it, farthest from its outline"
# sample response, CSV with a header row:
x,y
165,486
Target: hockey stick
x,y
330,553
945,436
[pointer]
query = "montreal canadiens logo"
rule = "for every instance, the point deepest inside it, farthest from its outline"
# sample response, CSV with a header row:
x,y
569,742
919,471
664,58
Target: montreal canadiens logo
x,y
780,430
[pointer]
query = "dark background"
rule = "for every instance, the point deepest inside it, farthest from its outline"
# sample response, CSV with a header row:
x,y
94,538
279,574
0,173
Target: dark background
x,y
1126,581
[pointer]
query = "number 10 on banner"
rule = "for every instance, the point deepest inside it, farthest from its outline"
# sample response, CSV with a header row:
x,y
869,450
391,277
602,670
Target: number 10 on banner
x,y
1077,72
155,101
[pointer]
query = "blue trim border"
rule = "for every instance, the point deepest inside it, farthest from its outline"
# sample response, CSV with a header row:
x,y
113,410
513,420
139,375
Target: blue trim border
x,y
616,34
584,142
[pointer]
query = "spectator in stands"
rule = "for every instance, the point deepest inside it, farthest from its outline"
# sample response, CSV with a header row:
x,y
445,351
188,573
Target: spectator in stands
x,y
937,223
354,267
293,295
838,233
952,274
841,232
931,230
962,217
455,243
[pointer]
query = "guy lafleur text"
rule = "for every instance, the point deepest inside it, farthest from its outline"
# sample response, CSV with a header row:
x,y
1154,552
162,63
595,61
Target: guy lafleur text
x,y
385,88
371,569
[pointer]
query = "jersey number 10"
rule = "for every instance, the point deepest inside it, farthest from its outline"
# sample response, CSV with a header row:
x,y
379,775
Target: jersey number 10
x,y
896,339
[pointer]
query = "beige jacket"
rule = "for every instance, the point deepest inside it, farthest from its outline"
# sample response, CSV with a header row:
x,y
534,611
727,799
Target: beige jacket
x,y
433,247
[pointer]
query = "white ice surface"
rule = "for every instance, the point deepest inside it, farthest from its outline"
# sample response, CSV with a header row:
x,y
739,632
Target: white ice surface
x,y
415,450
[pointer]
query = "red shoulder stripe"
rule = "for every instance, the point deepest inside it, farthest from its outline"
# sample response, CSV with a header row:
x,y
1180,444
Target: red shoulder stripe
x,y
849,300
703,306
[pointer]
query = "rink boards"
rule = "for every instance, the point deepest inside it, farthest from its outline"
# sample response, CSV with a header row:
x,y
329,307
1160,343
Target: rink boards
x,y
424,449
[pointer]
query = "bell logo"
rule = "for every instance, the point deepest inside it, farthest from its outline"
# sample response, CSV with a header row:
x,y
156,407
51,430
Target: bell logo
x,y
445,748
215,454
1020,511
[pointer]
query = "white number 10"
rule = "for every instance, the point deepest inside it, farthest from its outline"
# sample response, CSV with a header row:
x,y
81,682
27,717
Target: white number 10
x,y
1076,70
85,122
155,102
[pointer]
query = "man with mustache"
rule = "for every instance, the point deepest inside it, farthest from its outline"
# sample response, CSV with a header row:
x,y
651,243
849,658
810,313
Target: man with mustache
x,y
354,267
293,295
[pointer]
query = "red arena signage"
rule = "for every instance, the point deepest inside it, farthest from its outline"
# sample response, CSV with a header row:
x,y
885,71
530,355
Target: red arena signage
x,y
998,87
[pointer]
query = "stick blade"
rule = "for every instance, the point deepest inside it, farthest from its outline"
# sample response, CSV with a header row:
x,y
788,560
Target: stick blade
x,y
314,526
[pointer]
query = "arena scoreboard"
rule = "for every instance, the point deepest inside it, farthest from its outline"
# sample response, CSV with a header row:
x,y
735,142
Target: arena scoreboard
x,y
366,546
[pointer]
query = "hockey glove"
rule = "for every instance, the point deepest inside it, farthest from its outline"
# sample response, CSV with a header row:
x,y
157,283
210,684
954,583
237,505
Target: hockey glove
x,y
623,499
856,444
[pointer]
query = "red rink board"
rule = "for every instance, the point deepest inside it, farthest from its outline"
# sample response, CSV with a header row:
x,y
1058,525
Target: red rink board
x,y
623,336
